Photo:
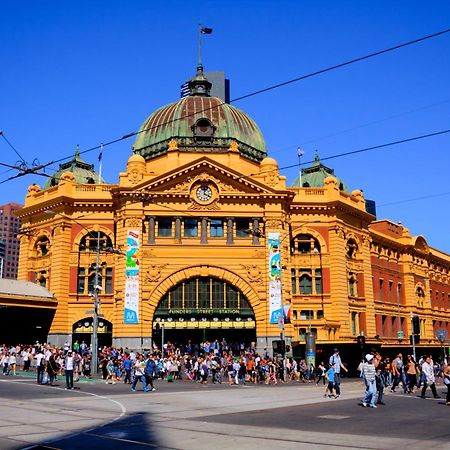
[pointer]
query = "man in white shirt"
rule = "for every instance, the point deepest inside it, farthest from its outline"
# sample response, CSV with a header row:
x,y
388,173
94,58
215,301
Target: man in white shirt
x,y
68,369
40,365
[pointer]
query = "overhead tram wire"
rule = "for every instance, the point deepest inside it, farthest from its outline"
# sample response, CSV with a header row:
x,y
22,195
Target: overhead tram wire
x,y
2,134
267,89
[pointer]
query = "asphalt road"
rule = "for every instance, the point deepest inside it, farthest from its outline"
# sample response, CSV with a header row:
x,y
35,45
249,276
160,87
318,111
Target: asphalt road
x,y
183,415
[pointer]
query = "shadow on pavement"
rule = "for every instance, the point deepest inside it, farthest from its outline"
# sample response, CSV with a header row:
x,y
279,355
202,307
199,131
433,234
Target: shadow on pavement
x,y
130,432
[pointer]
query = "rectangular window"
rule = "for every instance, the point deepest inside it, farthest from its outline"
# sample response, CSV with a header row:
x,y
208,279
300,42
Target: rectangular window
x,y
189,294
165,227
176,297
242,228
383,326
218,298
204,293
399,293
306,314
302,334
305,282
381,289
320,314
293,282
353,317
216,228
318,281
190,227
109,281
81,280
390,291
232,297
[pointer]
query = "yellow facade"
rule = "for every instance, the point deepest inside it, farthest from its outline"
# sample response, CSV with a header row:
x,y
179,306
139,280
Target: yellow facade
x,y
333,285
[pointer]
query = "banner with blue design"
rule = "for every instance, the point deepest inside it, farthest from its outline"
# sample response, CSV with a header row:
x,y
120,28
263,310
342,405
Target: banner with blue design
x,y
132,267
275,301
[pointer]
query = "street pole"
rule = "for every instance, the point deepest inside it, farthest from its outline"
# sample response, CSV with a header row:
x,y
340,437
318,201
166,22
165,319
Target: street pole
x,y
413,336
94,345
162,340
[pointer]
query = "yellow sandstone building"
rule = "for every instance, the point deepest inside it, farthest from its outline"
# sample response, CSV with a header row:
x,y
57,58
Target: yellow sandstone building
x,y
203,237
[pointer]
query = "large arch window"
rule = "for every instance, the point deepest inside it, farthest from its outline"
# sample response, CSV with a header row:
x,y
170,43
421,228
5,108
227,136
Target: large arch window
x,y
205,293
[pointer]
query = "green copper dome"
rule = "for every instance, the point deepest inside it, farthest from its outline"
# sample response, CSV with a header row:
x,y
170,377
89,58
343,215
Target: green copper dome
x,y
315,175
200,123
84,173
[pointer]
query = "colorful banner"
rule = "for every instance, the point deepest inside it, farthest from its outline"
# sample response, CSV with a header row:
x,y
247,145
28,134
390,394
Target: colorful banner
x,y
275,302
131,303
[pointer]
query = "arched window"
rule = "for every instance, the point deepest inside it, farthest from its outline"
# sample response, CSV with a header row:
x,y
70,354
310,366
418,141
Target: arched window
x,y
204,293
89,242
305,244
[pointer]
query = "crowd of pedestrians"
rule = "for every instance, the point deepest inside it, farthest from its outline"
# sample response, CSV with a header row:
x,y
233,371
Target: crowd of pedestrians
x,y
412,376
220,362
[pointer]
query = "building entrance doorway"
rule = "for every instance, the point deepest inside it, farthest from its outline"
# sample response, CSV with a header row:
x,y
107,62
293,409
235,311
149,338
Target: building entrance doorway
x,y
82,331
204,309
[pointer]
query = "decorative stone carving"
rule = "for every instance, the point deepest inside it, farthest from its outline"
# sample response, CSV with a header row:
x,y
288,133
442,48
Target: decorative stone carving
x,y
273,223
173,145
340,231
153,274
133,222
272,178
253,273
234,146
135,175
213,206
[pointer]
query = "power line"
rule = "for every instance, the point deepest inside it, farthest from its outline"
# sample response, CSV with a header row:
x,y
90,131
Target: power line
x,y
366,149
423,197
269,88
2,134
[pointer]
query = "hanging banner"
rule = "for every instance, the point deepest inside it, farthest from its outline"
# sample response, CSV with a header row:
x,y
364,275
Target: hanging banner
x,y
275,301
131,303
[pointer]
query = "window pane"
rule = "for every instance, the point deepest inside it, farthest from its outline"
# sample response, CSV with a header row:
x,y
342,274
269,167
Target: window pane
x,y
190,227
217,294
232,297
216,228
176,297
165,227
305,284
293,282
242,226
318,275
81,280
109,280
203,293
164,302
189,293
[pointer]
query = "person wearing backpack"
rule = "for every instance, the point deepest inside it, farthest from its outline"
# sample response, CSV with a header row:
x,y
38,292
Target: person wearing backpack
x,y
150,371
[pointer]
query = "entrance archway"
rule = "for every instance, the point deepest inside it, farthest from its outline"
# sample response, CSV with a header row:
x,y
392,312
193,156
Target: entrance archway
x,y
202,309
82,331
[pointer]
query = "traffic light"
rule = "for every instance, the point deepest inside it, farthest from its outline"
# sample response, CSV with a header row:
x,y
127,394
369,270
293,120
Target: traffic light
x,y
279,346
415,325
157,332
361,340
416,338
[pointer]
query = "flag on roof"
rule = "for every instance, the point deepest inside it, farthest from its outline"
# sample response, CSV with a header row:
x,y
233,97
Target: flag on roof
x,y
206,30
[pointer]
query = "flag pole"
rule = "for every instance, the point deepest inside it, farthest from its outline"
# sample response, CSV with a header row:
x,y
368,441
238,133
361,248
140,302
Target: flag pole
x,y
199,64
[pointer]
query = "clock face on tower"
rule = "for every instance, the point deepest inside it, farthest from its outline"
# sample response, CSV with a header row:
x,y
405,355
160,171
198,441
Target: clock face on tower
x,y
204,193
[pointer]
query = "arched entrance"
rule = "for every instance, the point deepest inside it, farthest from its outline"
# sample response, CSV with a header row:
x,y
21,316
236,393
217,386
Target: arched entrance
x,y
204,308
82,331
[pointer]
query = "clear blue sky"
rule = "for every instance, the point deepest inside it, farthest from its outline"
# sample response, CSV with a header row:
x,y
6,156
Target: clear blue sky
x,y
87,72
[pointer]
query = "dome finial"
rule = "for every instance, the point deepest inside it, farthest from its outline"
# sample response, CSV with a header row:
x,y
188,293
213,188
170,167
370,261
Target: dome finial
x,y
199,85
316,157
77,152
